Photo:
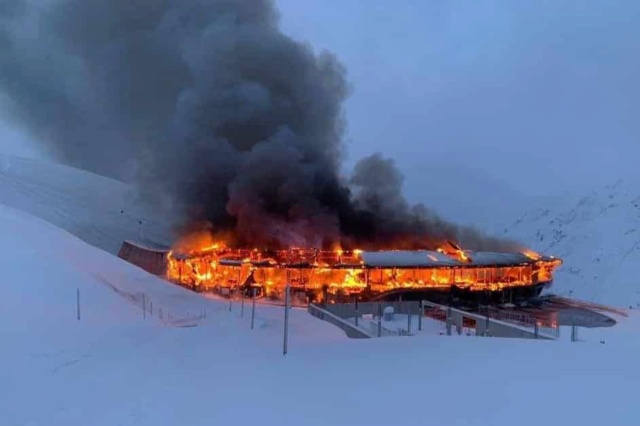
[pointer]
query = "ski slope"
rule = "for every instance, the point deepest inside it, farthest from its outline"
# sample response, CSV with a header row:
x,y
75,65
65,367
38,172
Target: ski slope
x,y
114,367
99,210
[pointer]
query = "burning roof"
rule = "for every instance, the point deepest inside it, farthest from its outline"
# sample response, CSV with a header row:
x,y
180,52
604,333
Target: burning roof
x,y
431,259
299,258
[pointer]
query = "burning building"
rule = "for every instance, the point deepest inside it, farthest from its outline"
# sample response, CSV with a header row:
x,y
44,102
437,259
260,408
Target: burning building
x,y
338,275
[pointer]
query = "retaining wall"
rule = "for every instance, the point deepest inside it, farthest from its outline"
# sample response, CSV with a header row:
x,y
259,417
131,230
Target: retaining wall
x,y
348,310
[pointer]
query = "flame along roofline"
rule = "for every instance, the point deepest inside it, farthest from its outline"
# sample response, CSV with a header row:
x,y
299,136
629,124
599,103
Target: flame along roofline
x,y
400,259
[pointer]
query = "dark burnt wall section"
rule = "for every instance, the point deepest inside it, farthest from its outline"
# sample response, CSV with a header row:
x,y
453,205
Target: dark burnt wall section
x,y
151,259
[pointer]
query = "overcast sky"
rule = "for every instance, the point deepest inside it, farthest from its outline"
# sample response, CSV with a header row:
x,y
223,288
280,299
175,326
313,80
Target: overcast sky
x,y
531,97
534,93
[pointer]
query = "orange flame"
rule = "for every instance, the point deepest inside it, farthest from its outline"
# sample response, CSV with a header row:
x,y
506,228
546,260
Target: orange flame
x,y
532,255
204,263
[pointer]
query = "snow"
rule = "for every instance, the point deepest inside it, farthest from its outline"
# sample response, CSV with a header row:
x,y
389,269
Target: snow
x,y
116,368
99,210
598,237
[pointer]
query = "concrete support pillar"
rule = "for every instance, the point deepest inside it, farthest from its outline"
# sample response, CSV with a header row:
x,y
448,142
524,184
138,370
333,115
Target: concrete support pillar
x,y
458,321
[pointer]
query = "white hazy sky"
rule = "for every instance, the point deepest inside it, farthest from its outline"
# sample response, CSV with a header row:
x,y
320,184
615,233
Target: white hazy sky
x,y
525,97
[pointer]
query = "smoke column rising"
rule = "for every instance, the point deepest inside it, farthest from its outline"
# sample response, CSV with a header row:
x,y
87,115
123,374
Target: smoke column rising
x,y
209,105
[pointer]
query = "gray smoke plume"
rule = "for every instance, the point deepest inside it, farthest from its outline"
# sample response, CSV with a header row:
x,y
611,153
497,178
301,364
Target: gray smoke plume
x,y
207,103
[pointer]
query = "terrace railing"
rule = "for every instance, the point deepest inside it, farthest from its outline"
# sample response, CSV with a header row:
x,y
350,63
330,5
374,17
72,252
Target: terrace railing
x,y
522,319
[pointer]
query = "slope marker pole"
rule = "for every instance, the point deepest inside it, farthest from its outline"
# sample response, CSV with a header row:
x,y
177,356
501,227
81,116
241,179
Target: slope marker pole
x,y
78,303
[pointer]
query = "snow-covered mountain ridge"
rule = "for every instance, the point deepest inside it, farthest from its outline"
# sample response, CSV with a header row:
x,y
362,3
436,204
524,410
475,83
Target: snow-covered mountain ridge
x,y
596,234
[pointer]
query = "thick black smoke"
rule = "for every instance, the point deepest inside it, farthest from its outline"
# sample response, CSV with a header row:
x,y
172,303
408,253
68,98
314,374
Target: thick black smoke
x,y
208,104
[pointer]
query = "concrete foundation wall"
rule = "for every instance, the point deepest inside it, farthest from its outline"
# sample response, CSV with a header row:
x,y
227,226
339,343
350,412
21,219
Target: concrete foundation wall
x,y
492,327
348,310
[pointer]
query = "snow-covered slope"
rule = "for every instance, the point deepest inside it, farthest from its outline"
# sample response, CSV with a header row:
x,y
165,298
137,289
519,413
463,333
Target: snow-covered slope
x,y
114,367
597,235
101,211
56,369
